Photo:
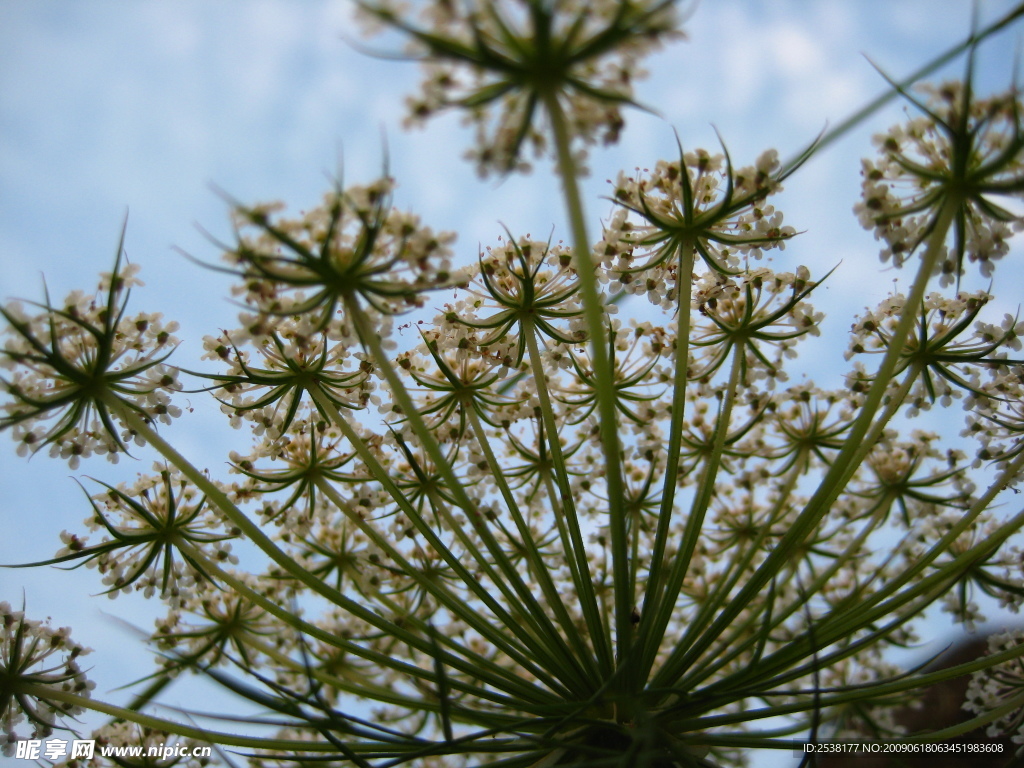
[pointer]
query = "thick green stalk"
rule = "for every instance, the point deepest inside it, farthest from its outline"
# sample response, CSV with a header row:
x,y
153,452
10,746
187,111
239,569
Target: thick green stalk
x,y
540,570
695,523
876,692
836,626
363,688
727,647
158,724
511,577
455,605
593,311
507,681
294,569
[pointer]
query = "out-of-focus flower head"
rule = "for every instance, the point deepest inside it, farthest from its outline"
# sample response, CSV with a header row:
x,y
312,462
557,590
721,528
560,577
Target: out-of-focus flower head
x,y
35,659
506,62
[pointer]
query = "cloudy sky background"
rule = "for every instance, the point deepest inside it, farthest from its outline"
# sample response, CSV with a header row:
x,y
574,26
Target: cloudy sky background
x,y
110,109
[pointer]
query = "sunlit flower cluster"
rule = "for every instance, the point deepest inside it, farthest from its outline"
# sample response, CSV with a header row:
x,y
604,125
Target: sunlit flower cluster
x,y
142,529
355,249
698,204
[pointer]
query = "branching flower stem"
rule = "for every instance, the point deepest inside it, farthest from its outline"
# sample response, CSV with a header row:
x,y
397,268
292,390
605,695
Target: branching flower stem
x,y
861,692
871,608
651,634
483,671
698,510
529,636
537,565
858,117
731,646
171,726
437,590
594,314
733,640
253,532
533,609
566,508
842,467
289,565
363,688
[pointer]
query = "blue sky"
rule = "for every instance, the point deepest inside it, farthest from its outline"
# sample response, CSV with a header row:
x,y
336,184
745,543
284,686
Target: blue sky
x,y
110,109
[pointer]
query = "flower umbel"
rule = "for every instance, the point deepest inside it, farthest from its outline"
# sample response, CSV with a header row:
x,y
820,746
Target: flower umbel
x,y
37,665
962,147
502,61
355,247
558,527
72,364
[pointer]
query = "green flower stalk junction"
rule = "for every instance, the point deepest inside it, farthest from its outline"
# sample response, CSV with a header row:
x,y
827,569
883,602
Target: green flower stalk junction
x,y
587,518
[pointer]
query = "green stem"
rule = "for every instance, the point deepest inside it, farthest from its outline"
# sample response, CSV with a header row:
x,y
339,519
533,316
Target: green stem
x,y
728,642
528,635
842,468
508,680
538,567
253,532
694,525
566,508
456,605
546,631
841,624
739,638
593,311
650,640
891,93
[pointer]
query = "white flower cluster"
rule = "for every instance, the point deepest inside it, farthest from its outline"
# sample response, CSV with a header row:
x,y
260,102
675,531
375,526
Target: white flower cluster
x,y
499,62
715,209
67,362
997,686
267,368
141,527
972,152
353,247
39,665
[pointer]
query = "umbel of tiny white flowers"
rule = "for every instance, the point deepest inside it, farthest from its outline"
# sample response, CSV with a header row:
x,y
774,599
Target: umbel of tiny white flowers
x,y
517,568
75,365
963,151
143,528
574,60
699,204
354,248
37,664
